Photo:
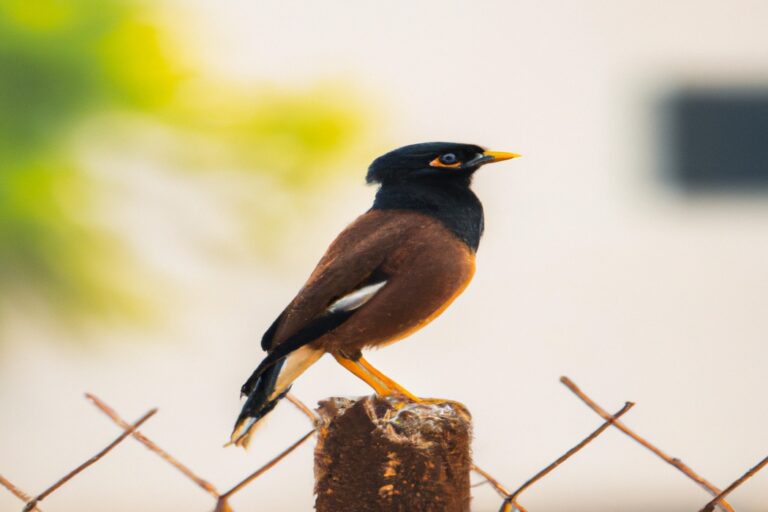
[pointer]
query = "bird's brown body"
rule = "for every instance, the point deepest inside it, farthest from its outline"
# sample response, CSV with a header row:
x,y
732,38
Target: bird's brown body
x,y
425,267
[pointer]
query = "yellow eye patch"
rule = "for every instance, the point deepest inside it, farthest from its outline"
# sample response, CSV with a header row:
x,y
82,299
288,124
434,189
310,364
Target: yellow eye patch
x,y
437,163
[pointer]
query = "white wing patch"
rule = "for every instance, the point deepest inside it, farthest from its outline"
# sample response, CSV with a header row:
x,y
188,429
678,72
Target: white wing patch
x,y
356,299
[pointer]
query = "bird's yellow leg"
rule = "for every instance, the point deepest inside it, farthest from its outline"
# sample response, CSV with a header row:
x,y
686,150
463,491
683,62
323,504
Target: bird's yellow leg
x,y
392,385
363,374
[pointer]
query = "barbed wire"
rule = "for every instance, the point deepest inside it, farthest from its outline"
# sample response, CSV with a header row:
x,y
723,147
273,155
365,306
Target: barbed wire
x,y
673,461
509,499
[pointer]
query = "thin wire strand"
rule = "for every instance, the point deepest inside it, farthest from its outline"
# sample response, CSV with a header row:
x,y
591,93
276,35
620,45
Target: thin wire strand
x,y
567,455
152,446
673,461
16,491
33,503
709,507
302,407
266,467
498,487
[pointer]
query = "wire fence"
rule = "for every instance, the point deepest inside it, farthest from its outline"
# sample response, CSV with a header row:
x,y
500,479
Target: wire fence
x,y
510,500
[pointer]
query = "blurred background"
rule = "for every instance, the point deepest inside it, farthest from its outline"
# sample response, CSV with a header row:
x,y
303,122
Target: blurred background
x,y
171,171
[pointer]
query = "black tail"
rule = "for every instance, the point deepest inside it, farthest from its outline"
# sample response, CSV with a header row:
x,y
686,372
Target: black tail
x,y
258,403
260,386
309,333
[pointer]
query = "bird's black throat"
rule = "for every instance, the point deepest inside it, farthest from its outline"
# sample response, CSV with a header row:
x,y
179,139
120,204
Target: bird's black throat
x,y
449,201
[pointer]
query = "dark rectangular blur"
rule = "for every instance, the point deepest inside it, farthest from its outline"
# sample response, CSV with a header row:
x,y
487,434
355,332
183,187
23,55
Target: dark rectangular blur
x,y
718,140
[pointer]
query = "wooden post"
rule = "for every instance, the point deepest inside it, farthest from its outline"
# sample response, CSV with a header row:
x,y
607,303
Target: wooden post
x,y
390,454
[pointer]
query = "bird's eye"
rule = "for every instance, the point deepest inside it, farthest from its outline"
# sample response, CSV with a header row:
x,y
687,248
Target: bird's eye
x,y
448,159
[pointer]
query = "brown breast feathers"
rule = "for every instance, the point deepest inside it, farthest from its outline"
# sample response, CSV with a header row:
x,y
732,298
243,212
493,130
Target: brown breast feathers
x,y
425,266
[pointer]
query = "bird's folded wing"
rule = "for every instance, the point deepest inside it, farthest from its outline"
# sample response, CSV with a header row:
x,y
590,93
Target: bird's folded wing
x,y
347,276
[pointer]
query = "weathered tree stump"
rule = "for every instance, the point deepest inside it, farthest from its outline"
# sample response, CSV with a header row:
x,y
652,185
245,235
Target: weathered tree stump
x,y
391,454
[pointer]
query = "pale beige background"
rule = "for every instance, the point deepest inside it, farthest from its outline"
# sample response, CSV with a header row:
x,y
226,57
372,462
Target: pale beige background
x,y
589,266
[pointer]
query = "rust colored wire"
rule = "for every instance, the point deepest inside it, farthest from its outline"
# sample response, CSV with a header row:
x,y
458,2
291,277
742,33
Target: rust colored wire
x,y
511,498
16,491
152,446
673,461
222,504
82,467
709,507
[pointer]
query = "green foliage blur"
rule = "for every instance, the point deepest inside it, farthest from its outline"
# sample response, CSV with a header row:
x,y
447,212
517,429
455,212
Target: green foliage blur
x,y
65,62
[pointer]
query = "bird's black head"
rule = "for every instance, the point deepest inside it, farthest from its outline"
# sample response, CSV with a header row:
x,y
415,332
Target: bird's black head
x,y
432,160
433,179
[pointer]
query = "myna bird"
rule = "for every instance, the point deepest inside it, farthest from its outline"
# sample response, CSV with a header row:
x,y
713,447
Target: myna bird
x,y
388,274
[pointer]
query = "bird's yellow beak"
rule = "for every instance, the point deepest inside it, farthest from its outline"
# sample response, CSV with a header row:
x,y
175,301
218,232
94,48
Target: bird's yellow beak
x,y
498,156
